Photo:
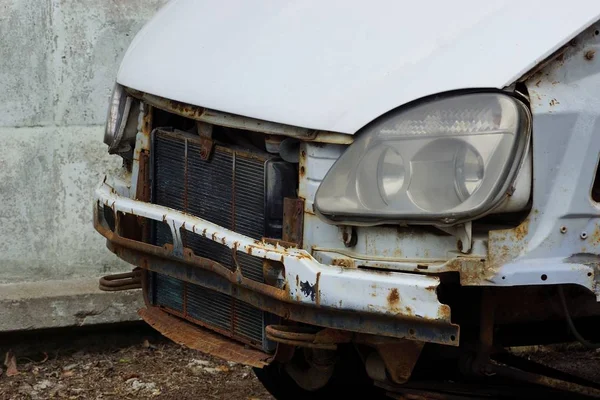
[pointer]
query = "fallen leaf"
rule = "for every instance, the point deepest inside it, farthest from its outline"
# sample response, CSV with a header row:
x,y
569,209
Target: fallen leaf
x,y
69,367
68,373
10,362
130,376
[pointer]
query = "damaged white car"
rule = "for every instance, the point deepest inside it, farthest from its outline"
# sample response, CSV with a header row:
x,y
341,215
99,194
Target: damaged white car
x,y
381,194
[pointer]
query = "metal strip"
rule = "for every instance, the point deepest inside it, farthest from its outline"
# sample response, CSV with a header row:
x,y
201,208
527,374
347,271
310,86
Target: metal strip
x,y
196,338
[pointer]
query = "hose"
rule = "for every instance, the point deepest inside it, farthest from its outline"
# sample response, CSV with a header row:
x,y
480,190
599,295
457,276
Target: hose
x,y
574,331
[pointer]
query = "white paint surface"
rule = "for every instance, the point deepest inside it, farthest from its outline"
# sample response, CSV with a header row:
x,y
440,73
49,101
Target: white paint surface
x,y
337,65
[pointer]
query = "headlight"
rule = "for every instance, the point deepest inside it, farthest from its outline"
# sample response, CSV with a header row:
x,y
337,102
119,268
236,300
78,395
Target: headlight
x,y
441,162
118,112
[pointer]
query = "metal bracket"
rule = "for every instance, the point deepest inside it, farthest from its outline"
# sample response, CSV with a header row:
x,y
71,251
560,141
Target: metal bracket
x,y
464,234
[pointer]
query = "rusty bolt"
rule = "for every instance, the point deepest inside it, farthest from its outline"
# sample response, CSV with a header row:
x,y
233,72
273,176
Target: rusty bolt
x,y
589,55
563,229
583,235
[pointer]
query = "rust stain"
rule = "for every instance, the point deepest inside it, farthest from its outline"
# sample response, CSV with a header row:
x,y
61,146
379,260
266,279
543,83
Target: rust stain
x,y
297,280
595,237
317,290
344,263
521,231
393,298
554,102
589,55
204,232
444,313
302,171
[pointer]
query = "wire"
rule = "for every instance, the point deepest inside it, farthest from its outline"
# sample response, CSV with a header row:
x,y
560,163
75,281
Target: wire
x,y
574,331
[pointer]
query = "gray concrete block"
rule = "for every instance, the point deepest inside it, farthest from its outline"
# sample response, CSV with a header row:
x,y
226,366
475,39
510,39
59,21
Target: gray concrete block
x,y
59,58
47,179
92,37
64,303
26,70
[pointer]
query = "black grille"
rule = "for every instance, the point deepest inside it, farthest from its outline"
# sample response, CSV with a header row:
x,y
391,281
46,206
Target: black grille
x,y
229,190
212,309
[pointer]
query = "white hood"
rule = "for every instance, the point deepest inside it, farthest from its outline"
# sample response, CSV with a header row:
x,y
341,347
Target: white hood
x,y
337,65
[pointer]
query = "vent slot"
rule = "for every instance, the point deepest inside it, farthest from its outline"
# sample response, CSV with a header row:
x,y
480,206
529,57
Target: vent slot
x,y
212,309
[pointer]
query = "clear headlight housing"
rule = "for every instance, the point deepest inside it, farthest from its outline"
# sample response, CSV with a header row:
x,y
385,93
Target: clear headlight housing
x,y
441,162
116,119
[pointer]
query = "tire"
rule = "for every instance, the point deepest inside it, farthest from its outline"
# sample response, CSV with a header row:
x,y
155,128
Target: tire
x,y
349,379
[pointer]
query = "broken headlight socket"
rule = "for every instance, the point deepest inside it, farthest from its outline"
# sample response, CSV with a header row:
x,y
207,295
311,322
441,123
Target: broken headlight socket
x,y
121,121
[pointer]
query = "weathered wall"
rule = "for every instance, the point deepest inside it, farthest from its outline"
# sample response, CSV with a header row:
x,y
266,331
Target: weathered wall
x,y
58,62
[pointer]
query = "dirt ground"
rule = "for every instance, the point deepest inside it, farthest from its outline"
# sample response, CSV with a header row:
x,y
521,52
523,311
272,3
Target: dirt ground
x,y
131,362
135,362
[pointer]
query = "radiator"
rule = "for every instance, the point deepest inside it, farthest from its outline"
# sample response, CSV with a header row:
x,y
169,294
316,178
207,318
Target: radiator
x,y
229,189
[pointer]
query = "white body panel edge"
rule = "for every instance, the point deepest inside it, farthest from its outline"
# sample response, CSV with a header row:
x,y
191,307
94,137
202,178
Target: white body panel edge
x,y
337,65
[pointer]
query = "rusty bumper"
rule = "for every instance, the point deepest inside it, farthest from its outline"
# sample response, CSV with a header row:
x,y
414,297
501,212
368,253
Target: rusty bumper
x,y
386,303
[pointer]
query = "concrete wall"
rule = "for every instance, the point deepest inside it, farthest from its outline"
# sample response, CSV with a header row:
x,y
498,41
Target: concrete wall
x,y
58,62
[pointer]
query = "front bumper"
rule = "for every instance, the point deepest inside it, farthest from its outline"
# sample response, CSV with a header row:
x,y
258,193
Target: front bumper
x,y
387,303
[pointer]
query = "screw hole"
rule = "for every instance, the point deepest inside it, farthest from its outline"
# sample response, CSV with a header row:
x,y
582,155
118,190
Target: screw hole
x,y
544,277
411,331
596,32
503,277
563,229
453,338
589,274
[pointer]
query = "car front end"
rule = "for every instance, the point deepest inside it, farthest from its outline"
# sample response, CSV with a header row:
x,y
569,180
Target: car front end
x,y
255,240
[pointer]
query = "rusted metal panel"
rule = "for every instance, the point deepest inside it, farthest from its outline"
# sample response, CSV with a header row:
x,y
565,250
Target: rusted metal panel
x,y
211,275
293,220
197,338
240,122
544,249
414,328
399,356
308,281
143,179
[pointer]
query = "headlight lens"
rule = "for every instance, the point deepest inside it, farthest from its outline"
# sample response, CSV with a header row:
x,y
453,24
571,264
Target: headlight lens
x,y
441,162
118,111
